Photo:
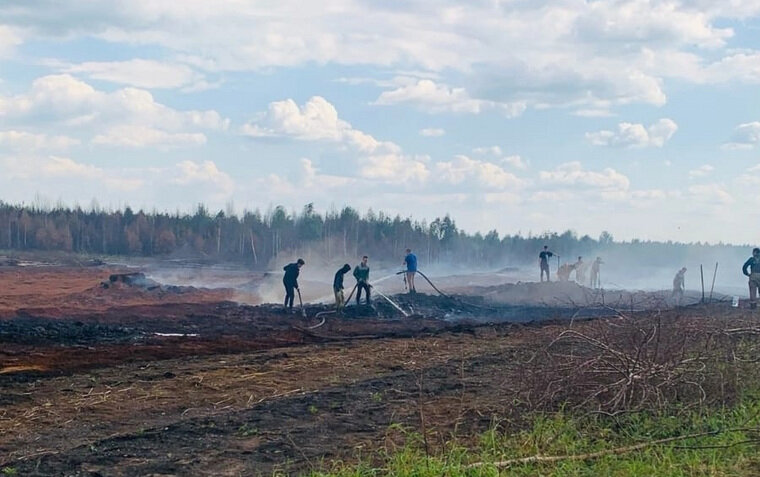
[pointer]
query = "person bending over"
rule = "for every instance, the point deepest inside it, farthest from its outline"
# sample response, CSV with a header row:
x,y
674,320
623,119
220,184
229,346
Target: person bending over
x,y
340,300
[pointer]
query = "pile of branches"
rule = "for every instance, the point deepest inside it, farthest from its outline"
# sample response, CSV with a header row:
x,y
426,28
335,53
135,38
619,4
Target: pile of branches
x,y
647,361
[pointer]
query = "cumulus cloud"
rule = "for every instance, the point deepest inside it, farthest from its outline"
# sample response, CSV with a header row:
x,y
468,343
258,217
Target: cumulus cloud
x,y
318,120
71,103
635,135
514,160
476,174
432,132
203,174
394,168
26,141
746,136
439,98
315,120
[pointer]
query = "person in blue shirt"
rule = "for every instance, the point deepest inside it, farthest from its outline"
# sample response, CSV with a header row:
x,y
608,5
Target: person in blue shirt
x,y
410,261
751,269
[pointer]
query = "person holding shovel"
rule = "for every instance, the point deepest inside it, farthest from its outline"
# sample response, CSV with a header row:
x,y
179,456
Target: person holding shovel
x,y
290,280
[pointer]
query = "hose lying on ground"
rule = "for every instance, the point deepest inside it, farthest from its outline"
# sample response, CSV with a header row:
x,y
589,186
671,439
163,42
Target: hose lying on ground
x,y
451,297
321,313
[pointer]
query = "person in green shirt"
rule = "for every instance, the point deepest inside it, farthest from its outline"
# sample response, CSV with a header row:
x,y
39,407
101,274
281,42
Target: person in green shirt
x,y
361,273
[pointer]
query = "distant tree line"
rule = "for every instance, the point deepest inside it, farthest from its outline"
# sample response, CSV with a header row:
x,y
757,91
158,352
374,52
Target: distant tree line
x,y
260,239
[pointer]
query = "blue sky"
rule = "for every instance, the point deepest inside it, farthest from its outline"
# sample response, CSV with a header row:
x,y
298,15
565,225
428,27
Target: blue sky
x,y
637,117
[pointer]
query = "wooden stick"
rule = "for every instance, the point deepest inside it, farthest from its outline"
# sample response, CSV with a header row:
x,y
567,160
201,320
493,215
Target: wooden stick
x,y
702,275
253,248
594,455
715,273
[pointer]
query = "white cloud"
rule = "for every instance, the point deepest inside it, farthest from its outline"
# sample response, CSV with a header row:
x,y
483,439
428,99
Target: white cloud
x,y
571,52
711,193
204,174
31,169
635,135
316,120
26,141
513,160
489,150
138,72
476,174
394,168
432,132
143,136
9,40
701,171
438,98
746,136
572,174
71,103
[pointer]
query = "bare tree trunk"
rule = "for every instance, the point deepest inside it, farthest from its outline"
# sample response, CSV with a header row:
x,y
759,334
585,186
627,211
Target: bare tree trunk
x,y
253,248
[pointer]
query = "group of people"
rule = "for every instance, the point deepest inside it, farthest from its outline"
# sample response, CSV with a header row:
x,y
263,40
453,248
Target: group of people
x,y
751,269
361,274
565,270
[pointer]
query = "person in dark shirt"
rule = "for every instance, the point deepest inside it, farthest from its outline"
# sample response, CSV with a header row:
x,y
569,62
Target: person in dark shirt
x,y
340,300
543,262
290,280
410,261
751,269
361,273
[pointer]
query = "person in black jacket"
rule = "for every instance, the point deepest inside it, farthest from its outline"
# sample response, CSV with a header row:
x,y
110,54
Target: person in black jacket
x,y
290,280
340,300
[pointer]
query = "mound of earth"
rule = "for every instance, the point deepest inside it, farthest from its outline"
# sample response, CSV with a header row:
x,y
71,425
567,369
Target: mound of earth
x,y
570,294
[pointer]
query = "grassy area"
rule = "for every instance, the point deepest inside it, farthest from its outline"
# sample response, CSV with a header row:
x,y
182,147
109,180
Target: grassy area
x,y
730,450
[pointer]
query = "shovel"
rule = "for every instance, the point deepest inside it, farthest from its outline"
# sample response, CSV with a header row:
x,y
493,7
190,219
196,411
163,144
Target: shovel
x,y
300,301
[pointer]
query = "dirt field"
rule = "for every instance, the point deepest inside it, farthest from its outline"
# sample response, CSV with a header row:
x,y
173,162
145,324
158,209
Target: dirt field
x,y
92,386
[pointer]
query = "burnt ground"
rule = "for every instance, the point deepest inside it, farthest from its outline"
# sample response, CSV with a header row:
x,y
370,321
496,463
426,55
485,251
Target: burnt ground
x,y
88,388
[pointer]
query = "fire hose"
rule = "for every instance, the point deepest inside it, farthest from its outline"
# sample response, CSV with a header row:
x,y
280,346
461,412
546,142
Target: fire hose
x,y
444,294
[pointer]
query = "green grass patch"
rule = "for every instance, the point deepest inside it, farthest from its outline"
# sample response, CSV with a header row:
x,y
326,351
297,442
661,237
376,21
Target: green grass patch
x,y
731,451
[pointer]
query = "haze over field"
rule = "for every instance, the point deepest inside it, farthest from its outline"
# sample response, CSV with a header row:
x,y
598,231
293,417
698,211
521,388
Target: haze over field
x,y
636,117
